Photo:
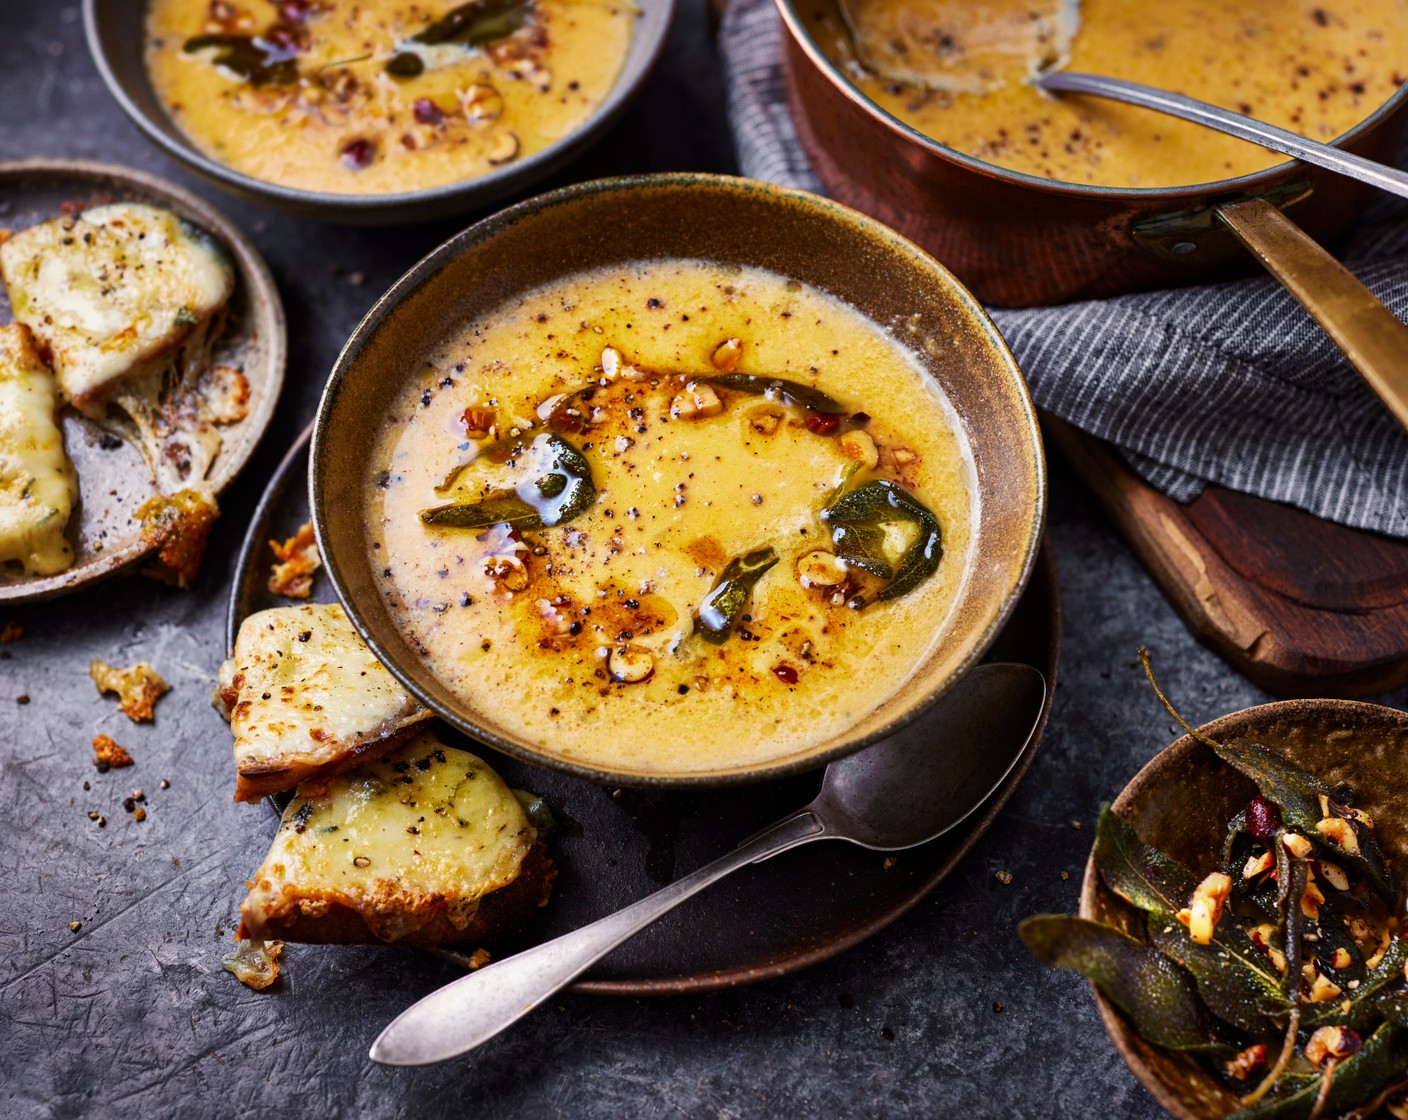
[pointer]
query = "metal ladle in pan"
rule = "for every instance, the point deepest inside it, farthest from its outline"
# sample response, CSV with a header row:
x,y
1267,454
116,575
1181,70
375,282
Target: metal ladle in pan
x,y
1018,40
1368,333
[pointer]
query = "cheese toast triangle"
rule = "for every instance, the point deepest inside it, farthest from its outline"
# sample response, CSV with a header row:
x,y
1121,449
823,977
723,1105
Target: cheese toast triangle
x,y
305,697
424,846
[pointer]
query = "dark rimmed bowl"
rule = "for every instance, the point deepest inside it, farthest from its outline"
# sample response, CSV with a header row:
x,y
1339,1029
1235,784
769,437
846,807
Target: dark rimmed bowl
x,y
714,218
1181,802
117,40
1018,240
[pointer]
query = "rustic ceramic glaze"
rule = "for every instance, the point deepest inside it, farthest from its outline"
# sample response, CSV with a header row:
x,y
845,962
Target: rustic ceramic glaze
x,y
723,220
1181,802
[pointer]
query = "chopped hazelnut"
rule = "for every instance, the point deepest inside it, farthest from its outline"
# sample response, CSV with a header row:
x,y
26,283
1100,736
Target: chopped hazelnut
x,y
859,446
726,355
1340,833
1297,845
1246,1064
820,568
1205,908
1257,865
1331,1043
697,402
630,664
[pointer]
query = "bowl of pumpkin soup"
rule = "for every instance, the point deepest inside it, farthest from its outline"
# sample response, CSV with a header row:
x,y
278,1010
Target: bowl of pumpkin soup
x,y
677,480
928,116
374,110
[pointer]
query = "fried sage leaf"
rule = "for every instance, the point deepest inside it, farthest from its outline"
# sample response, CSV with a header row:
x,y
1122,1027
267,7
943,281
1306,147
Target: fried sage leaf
x,y
1394,1008
722,606
470,25
1357,1080
1155,993
1141,875
1296,792
255,59
1364,1002
857,519
793,392
1237,980
557,486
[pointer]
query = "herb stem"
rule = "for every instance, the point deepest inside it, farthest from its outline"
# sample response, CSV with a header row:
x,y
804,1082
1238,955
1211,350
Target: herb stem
x,y
1149,672
1288,1048
1326,1080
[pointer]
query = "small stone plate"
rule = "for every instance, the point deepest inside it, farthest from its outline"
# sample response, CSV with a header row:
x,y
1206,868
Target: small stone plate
x,y
1181,803
618,845
113,480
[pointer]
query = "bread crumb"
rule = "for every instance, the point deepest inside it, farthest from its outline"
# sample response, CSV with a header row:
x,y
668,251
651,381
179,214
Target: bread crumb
x,y
137,688
298,559
108,755
11,632
479,958
75,926
1004,877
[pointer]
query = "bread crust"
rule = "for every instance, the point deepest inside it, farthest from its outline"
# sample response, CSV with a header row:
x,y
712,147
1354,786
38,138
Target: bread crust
x,y
255,780
323,920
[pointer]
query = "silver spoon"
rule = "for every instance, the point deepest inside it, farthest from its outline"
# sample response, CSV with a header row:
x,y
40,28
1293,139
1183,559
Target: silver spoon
x,y
1234,124
905,790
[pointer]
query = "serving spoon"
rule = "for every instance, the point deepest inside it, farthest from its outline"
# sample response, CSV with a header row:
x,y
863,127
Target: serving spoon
x,y
901,792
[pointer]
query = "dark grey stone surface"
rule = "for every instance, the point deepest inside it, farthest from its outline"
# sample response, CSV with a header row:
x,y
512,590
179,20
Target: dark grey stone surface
x,y
943,1014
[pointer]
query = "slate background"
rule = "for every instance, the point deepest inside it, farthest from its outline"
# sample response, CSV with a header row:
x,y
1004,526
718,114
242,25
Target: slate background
x,y
943,1014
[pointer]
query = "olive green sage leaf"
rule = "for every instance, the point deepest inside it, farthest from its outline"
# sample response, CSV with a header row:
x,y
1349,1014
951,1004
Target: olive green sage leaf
x,y
1156,994
557,486
1394,1008
1364,1002
1357,1080
1141,875
257,60
868,508
721,607
470,25
793,392
1294,791
1236,979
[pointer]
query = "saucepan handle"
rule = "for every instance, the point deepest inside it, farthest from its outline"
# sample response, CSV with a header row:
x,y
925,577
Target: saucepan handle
x,y
1370,335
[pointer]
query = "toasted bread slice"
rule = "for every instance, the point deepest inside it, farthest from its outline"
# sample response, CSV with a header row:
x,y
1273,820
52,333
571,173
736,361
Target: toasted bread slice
x,y
37,481
126,302
113,291
306,697
426,846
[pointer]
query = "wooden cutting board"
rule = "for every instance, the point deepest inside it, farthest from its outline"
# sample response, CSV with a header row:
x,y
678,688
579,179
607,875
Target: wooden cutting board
x,y
1299,605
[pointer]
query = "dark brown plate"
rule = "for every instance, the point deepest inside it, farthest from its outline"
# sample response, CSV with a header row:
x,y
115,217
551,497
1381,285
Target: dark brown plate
x,y
114,481
1180,802
618,845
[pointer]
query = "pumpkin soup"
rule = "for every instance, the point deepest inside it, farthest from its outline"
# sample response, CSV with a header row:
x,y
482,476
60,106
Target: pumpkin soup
x,y
671,516
382,96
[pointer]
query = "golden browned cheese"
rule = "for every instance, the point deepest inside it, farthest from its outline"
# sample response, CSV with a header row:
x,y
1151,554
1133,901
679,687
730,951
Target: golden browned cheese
x,y
322,112
1317,67
581,637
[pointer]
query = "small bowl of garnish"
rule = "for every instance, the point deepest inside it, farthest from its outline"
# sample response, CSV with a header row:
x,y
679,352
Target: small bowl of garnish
x,y
374,110
1242,916
677,479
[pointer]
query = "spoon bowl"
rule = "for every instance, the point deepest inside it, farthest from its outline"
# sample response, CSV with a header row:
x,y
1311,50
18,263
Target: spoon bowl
x,y
902,792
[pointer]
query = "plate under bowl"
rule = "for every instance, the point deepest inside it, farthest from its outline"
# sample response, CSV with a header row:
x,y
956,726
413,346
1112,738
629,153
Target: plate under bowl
x,y
729,221
1181,802
117,44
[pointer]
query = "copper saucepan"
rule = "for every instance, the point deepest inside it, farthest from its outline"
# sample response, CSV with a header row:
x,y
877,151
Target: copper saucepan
x,y
1018,241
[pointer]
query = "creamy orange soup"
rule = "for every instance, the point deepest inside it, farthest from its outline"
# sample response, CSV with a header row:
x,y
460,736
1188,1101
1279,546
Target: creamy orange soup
x,y
1317,67
684,603
382,96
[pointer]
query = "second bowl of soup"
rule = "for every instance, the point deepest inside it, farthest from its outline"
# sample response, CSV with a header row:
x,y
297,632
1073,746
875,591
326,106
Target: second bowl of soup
x,y
677,479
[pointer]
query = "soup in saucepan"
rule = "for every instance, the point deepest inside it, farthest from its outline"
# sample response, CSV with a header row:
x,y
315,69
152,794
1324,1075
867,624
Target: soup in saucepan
x,y
672,516
960,72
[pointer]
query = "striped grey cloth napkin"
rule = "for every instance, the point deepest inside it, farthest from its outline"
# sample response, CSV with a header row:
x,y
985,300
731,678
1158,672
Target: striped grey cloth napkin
x,y
1228,383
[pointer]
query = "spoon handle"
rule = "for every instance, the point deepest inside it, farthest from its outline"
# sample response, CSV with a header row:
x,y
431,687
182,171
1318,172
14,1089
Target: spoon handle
x,y
474,1008
1224,120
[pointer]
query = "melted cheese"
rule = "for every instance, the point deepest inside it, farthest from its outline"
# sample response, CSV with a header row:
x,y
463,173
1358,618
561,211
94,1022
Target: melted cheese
x,y
112,292
396,840
307,694
37,482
